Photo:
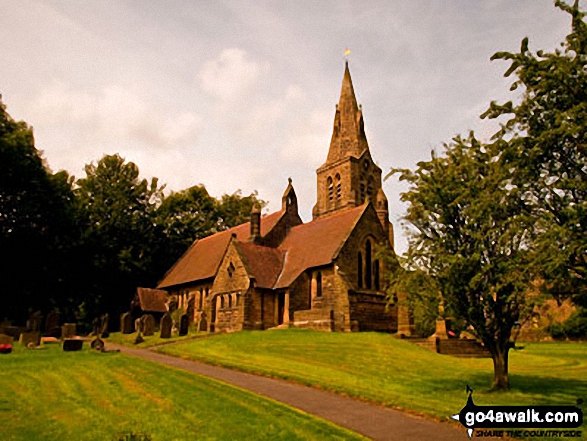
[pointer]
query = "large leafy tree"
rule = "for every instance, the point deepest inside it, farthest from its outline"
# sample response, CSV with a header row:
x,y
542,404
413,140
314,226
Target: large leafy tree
x,y
120,236
547,152
36,219
469,243
192,214
184,217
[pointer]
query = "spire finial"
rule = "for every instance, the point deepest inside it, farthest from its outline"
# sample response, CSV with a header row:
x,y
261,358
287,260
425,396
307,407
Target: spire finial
x,y
346,54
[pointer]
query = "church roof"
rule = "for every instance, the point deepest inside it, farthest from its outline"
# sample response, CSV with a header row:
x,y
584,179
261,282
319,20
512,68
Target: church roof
x,y
152,300
264,264
316,243
306,246
202,258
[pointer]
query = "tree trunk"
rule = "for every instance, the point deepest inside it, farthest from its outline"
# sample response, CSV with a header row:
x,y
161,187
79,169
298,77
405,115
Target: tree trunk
x,y
500,368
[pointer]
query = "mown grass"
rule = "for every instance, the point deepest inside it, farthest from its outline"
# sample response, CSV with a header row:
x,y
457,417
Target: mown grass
x,y
55,395
152,340
393,372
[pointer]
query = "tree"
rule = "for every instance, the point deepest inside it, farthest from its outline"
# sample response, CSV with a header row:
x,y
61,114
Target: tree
x,y
547,152
469,243
192,214
120,236
35,221
235,209
186,216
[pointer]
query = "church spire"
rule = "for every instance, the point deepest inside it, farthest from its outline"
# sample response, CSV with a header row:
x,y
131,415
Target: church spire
x,y
348,134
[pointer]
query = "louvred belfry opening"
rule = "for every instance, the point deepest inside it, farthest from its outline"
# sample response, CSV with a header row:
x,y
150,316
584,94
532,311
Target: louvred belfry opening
x,y
349,176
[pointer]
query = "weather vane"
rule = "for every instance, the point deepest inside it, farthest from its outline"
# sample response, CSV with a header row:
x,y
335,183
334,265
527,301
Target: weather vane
x,y
346,54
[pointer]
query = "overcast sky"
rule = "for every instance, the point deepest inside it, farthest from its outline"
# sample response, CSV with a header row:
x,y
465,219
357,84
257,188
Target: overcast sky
x,y
241,94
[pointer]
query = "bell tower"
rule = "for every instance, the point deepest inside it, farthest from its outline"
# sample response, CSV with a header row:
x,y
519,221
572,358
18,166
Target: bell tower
x,y
349,176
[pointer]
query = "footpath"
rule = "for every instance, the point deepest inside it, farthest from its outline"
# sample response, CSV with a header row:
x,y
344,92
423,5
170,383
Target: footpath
x,y
370,420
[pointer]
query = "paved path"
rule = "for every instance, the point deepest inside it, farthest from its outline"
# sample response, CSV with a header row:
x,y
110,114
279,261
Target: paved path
x,y
376,422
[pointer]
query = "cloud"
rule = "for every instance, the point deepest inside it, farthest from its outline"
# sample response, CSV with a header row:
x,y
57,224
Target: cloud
x,y
231,75
308,140
116,113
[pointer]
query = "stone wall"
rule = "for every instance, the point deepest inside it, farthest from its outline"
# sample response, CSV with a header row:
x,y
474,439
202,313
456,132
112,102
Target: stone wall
x,y
316,319
369,312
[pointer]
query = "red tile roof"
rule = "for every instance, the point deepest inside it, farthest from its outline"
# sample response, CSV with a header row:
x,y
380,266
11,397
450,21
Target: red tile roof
x,y
152,300
264,264
316,243
306,246
201,260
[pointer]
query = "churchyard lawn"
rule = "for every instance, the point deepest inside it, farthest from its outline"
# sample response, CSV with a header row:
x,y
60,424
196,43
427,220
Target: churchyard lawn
x,y
383,369
49,394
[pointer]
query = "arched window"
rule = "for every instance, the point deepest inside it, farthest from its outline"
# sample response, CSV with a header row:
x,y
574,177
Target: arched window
x,y
221,302
338,187
368,266
376,274
319,284
360,269
230,269
230,300
330,185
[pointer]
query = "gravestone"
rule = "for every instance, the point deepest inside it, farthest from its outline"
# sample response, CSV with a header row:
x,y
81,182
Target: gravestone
x,y
172,304
203,325
191,309
126,323
6,339
30,339
104,331
73,344
183,325
68,330
33,324
139,325
52,328
148,325
165,325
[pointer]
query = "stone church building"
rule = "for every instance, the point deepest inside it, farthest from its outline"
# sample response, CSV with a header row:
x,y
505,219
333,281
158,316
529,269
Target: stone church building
x,y
278,271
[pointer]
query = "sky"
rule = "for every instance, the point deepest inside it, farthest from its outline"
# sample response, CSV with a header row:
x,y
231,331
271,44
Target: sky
x,y
240,95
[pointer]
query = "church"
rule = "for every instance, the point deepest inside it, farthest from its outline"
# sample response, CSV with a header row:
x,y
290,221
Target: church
x,y
277,271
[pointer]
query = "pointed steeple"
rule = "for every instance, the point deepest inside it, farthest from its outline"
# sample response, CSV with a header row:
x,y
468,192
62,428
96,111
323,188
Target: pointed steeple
x,y
348,134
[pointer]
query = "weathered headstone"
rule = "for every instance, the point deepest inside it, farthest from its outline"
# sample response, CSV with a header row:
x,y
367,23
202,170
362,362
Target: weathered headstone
x,y
30,339
183,325
139,325
126,323
165,325
105,320
172,304
6,339
148,325
68,330
52,327
73,344
13,331
203,325
33,324
191,309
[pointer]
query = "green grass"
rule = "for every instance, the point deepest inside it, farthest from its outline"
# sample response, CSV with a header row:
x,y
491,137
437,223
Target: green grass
x,y
393,372
150,341
55,395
